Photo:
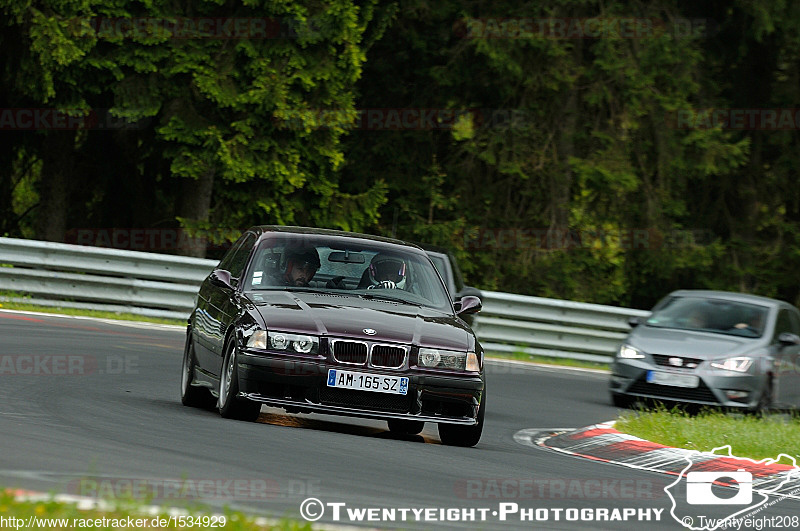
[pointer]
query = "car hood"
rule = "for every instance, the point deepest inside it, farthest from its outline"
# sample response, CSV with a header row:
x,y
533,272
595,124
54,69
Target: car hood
x,y
347,316
689,343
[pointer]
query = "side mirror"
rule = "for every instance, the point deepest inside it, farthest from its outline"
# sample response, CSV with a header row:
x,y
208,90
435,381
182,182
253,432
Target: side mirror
x,y
787,339
221,279
634,321
469,291
468,305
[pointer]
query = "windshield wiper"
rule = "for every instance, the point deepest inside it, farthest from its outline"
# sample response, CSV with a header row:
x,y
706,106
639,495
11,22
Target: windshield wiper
x,y
386,298
301,289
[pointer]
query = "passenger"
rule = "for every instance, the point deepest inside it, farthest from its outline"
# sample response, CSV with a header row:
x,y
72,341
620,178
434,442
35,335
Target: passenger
x,y
386,272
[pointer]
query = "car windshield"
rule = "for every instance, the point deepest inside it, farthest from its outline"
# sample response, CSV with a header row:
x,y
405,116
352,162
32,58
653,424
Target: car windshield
x,y
710,315
346,267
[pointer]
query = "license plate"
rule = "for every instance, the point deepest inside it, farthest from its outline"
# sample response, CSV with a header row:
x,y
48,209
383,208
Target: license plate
x,y
673,379
361,381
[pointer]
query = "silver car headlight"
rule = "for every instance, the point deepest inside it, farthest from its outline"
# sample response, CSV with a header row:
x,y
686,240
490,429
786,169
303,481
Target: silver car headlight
x,y
299,343
448,359
738,364
629,353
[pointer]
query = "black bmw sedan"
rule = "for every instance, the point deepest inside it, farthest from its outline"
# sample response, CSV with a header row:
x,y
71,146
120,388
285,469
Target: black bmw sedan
x,y
322,321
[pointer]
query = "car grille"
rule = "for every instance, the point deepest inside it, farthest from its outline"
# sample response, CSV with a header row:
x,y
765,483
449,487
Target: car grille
x,y
358,352
701,393
350,352
686,363
364,400
388,356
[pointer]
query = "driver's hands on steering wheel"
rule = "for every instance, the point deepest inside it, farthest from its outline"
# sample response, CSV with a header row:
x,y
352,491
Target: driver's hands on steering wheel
x,y
384,284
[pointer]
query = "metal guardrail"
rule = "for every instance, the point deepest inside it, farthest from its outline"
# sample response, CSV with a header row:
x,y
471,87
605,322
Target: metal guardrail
x,y
551,327
75,276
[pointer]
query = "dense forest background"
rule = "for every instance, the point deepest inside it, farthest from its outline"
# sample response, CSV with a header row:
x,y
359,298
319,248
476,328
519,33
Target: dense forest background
x,y
595,151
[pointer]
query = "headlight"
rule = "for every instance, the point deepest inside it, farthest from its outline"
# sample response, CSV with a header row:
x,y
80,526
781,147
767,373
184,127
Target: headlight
x,y
741,364
448,359
299,343
628,352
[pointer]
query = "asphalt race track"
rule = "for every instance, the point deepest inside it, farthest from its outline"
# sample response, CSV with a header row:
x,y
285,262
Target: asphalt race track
x,y
90,407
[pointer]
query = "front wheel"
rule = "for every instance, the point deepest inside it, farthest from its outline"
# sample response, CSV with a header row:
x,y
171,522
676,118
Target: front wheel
x,y
191,395
229,405
454,435
765,400
620,400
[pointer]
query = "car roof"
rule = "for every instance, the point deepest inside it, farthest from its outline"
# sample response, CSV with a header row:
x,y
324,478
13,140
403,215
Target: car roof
x,y
729,296
260,230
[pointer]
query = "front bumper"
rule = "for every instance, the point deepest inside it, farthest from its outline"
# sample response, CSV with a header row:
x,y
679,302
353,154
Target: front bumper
x,y
715,388
299,384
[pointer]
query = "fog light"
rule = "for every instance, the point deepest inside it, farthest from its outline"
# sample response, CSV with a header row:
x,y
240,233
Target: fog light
x,y
737,395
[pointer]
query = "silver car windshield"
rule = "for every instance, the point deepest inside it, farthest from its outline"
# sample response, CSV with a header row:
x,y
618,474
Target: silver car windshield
x,y
346,267
710,315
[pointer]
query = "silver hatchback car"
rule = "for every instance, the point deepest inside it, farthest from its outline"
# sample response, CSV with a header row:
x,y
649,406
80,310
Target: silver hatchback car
x,y
712,348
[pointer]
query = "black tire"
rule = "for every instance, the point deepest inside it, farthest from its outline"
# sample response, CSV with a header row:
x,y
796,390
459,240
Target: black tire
x,y
191,395
765,400
407,427
455,435
620,400
228,404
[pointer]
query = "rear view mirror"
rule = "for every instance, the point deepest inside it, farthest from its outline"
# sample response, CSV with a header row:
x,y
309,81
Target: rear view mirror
x,y
346,257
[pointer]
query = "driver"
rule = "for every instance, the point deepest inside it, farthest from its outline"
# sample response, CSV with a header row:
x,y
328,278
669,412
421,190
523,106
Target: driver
x,y
387,272
301,266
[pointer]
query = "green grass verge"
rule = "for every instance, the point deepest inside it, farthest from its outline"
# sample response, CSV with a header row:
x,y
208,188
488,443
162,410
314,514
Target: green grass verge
x,y
748,435
68,516
564,362
22,306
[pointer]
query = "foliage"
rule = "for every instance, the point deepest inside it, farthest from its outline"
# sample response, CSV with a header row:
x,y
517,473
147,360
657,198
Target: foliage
x,y
560,164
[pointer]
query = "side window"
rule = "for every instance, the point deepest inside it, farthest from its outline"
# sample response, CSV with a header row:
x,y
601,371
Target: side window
x,y
794,319
239,258
783,324
225,263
